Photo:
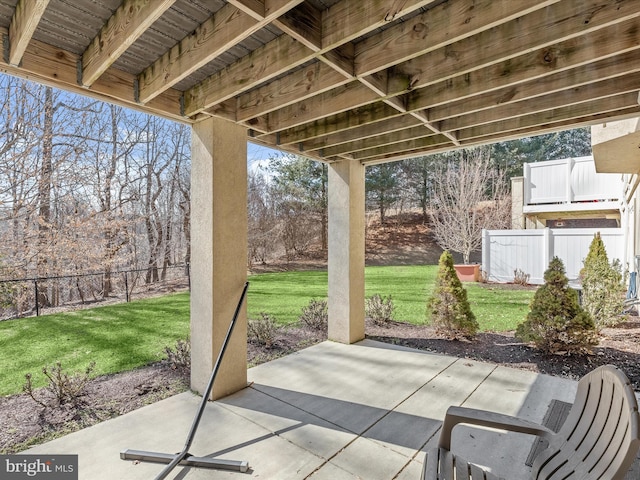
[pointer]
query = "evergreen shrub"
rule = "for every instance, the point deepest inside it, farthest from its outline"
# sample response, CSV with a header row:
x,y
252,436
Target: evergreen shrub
x,y
556,323
602,287
449,307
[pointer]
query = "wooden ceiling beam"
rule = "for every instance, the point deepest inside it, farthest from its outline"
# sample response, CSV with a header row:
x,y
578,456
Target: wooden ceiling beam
x,y
568,19
609,68
347,20
347,97
25,20
571,96
389,138
270,10
556,126
553,126
572,53
266,62
311,31
253,8
538,22
227,27
59,68
560,125
540,119
443,25
400,148
365,131
442,21
304,23
578,51
316,78
125,26
338,123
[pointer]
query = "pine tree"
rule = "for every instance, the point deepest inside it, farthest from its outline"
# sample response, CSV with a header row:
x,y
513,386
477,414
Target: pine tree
x,y
556,323
450,310
602,287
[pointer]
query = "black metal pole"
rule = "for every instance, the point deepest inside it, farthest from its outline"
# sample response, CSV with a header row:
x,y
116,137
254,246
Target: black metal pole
x,y
205,395
35,282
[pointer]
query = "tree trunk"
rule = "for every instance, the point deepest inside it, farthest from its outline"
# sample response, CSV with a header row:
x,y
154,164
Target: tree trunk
x,y
44,191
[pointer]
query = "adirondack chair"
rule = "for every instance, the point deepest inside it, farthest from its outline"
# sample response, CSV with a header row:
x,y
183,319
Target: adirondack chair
x,y
598,441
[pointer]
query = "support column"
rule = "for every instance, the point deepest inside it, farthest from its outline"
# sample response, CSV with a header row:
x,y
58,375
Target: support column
x,y
219,253
346,251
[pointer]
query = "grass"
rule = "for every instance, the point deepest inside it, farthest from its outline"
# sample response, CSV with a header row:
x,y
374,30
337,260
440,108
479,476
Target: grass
x,y
126,336
117,337
284,294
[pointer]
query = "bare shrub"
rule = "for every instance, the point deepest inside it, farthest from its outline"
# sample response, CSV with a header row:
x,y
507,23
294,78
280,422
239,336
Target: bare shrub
x,y
520,278
62,388
315,315
179,357
380,309
484,276
263,330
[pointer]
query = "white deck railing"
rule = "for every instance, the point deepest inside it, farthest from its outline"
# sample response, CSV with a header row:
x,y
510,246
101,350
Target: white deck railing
x,y
570,183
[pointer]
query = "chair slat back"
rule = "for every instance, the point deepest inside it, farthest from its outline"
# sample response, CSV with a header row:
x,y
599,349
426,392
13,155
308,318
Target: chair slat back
x,y
600,438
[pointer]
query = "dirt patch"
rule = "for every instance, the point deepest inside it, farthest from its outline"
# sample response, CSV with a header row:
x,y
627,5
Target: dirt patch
x,y
23,422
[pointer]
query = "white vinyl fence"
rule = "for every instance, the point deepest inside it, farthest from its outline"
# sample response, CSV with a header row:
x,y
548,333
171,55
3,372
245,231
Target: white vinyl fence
x,y
504,251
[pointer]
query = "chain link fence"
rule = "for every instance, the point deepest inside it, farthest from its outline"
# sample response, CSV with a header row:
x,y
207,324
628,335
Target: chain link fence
x,y
21,297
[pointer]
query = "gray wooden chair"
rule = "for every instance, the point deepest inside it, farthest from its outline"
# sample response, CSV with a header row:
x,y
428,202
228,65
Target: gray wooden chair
x,y
598,441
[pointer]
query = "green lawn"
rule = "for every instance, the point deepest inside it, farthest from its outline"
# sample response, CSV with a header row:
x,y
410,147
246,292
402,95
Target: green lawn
x,y
125,336
284,294
117,337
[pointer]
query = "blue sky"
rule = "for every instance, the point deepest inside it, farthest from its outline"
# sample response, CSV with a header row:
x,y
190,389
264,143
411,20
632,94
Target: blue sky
x,y
257,155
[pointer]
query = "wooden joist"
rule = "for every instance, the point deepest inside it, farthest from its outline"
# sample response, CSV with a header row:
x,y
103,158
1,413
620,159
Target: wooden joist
x,y
23,24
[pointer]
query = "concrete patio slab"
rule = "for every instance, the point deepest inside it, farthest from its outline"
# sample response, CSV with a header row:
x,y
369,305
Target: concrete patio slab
x,y
332,411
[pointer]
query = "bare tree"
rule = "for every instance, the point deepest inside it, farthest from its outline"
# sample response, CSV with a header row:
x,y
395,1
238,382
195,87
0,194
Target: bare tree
x,y
262,222
469,195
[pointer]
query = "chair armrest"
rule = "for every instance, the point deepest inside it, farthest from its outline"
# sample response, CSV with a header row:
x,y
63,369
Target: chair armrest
x,y
483,418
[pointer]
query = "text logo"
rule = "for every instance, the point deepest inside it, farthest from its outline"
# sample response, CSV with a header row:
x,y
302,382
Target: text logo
x,y
39,467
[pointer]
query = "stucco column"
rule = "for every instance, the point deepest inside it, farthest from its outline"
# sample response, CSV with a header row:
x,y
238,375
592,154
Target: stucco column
x,y
517,203
346,251
218,253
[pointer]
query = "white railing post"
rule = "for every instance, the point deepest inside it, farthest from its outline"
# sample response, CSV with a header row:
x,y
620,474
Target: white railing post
x,y
486,249
569,198
546,248
527,184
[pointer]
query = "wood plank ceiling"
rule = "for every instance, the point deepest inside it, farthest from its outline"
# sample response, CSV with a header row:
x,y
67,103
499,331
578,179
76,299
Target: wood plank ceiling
x,y
367,80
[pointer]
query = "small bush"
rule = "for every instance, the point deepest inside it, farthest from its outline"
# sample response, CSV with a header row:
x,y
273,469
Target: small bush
x,y
263,330
179,358
556,323
484,276
450,310
315,315
520,278
379,309
62,388
602,286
